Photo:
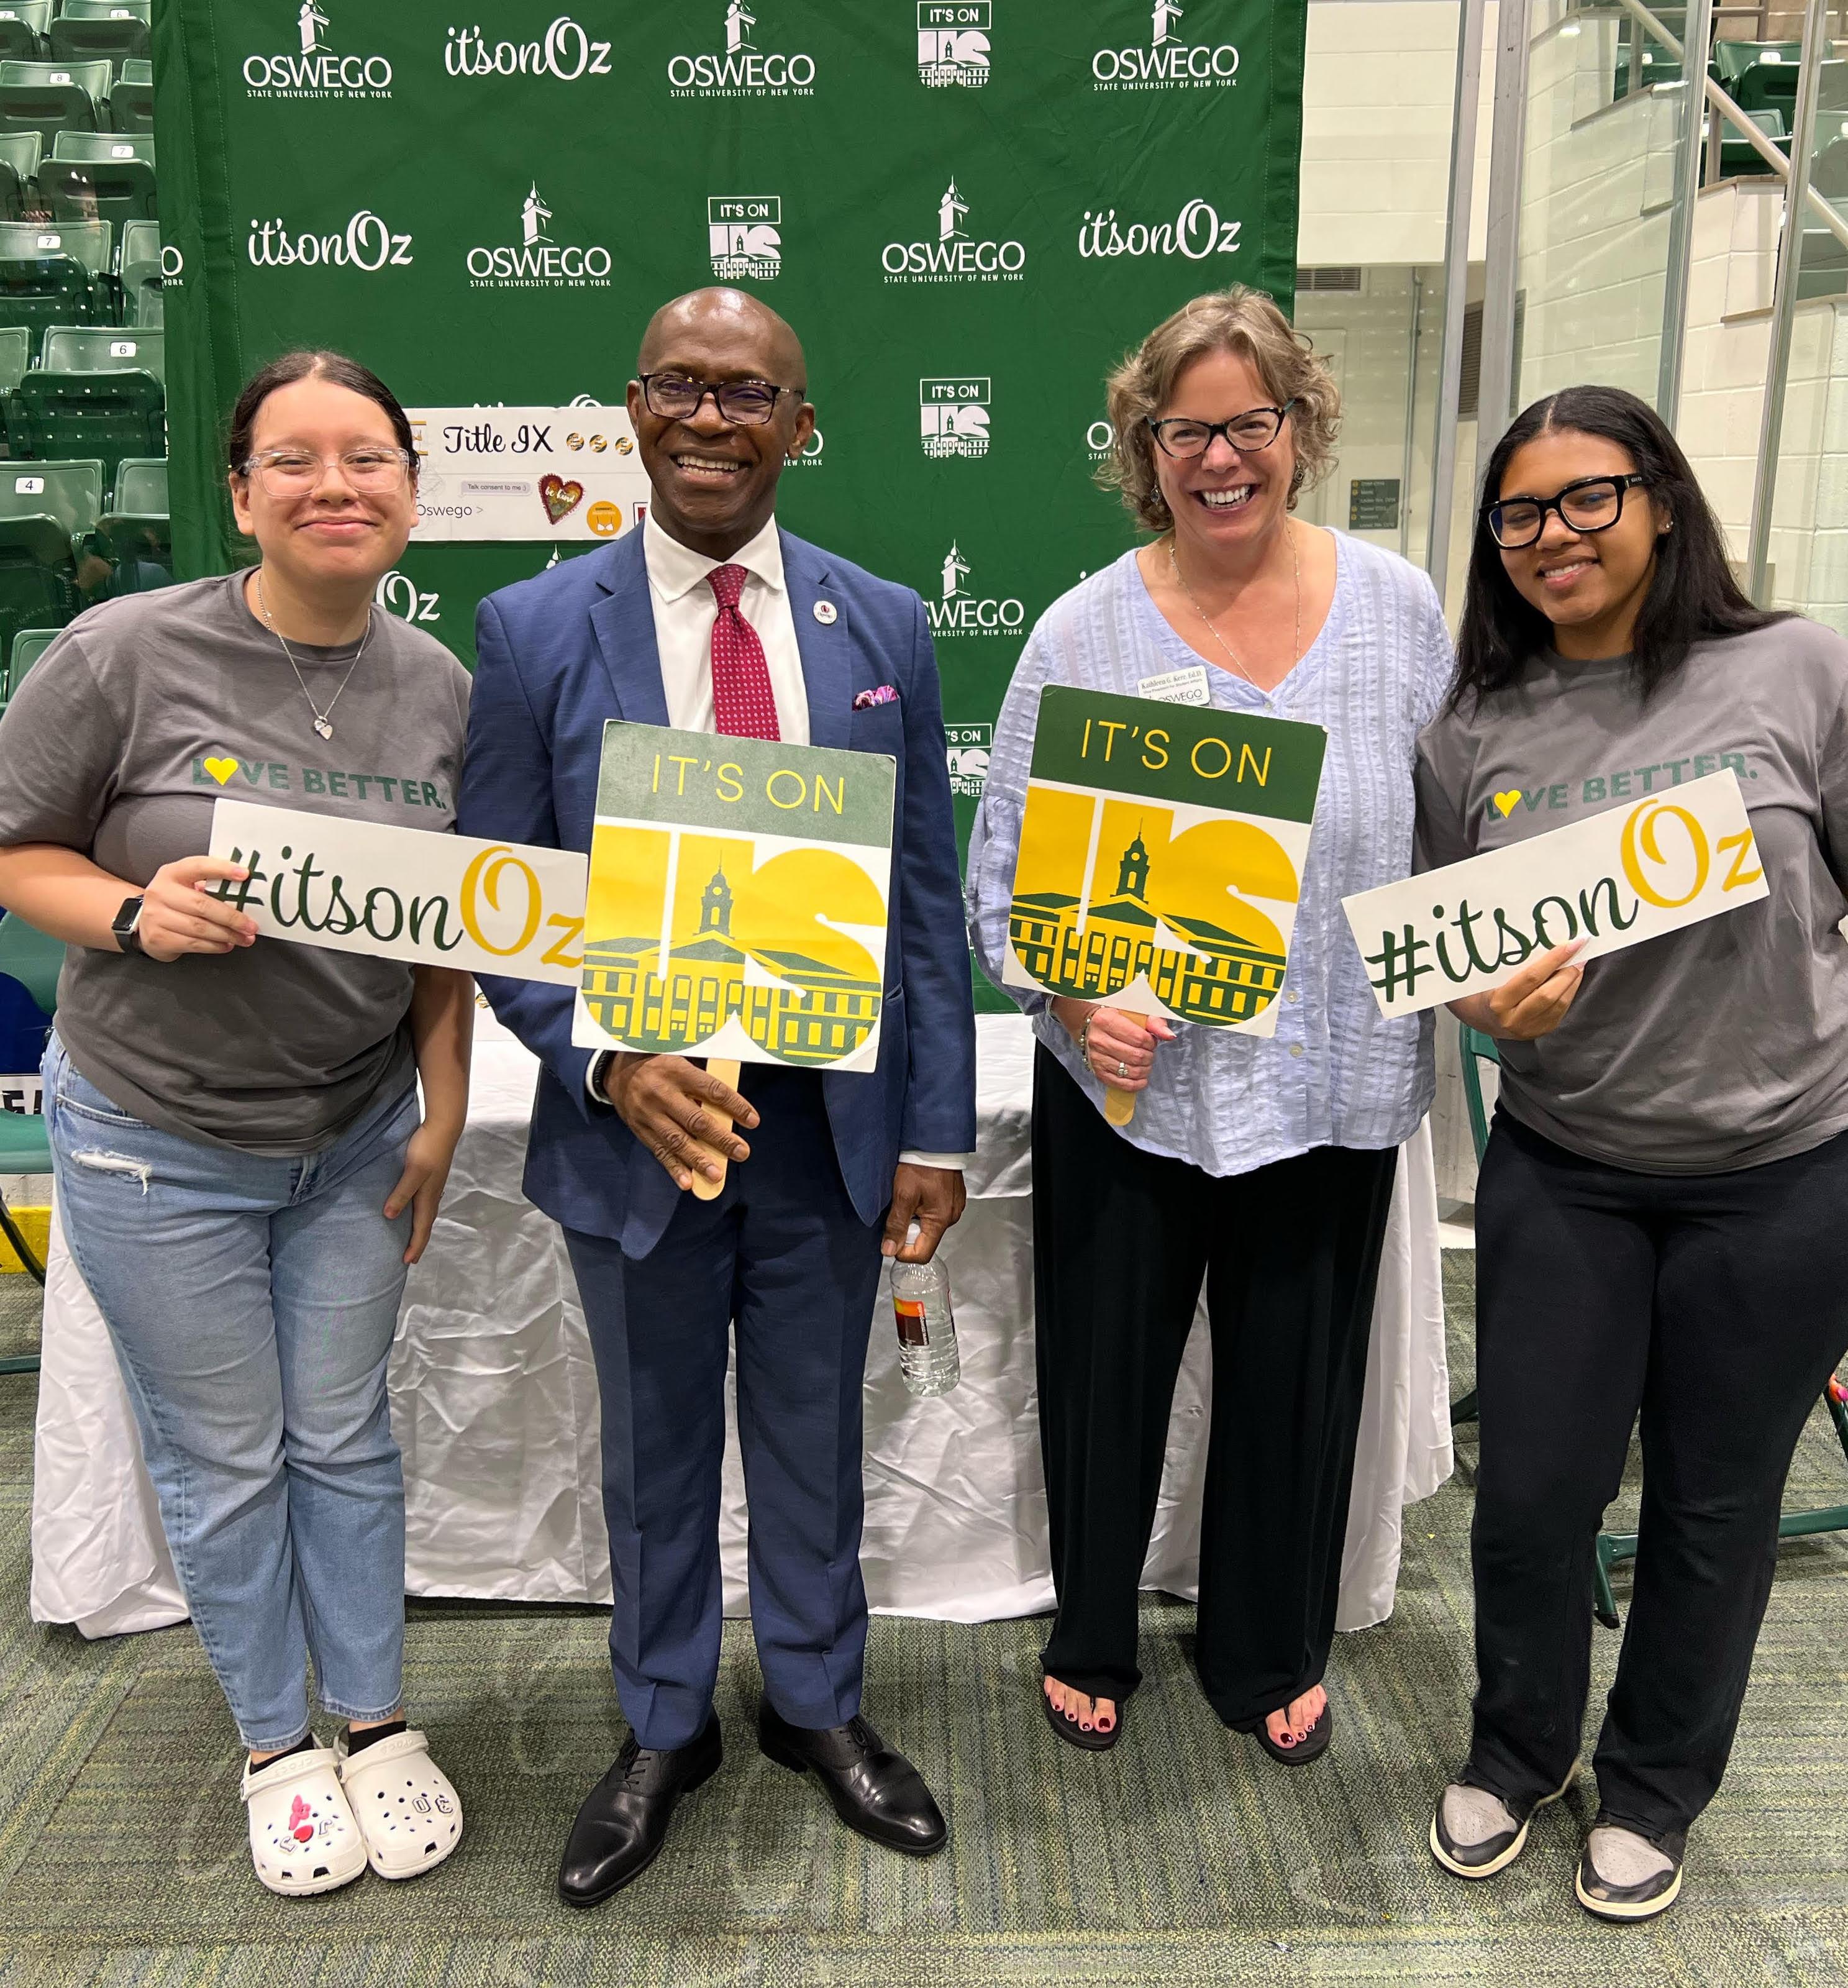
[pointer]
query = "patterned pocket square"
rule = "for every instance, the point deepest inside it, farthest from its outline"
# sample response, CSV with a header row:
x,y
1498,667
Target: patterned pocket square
x,y
883,694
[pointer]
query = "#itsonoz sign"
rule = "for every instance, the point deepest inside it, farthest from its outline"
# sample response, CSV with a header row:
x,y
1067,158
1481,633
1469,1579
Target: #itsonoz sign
x,y
1614,880
738,900
404,893
1162,853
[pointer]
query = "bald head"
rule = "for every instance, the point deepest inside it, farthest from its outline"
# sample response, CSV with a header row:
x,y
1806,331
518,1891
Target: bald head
x,y
717,319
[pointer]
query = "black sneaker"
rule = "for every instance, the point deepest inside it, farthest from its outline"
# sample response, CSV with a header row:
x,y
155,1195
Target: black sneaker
x,y
1474,1833
1624,1875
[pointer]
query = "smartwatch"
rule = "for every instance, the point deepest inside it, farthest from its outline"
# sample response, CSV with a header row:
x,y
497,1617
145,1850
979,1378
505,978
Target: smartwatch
x,y
126,924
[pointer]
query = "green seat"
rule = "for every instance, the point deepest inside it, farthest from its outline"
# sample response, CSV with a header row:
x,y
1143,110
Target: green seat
x,y
134,538
45,508
19,154
1739,158
44,290
114,30
35,960
16,355
1769,83
1829,173
117,190
34,275
143,286
24,25
103,348
28,645
87,243
1656,66
1730,60
131,103
51,97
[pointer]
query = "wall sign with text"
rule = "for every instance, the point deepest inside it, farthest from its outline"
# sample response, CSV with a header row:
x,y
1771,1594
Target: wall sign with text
x,y
510,473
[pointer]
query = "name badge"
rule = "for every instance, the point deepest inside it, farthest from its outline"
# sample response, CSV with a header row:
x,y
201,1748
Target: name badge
x,y
1177,686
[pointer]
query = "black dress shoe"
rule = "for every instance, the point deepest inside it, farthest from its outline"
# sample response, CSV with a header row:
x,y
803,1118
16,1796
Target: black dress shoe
x,y
622,1824
874,1790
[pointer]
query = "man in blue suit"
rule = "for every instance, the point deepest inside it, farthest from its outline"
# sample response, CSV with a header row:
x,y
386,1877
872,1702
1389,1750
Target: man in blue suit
x,y
710,618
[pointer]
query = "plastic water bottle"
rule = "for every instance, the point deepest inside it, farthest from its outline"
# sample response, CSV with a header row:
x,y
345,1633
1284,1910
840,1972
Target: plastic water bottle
x,y
927,1326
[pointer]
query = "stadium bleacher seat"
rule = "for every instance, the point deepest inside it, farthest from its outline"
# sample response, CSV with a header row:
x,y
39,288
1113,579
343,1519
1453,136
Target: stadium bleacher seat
x,y
24,25
1829,173
100,176
28,645
131,103
138,272
1656,66
44,506
51,97
15,355
1731,59
97,392
54,273
115,30
134,536
20,152
1739,158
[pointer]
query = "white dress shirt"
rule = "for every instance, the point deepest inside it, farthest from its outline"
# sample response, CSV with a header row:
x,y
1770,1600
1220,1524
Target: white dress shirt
x,y
684,611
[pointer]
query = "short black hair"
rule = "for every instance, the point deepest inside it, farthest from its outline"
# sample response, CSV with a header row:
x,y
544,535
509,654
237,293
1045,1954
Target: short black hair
x,y
1692,596
335,367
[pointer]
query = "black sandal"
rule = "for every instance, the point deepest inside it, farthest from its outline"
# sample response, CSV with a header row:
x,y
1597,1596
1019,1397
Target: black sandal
x,y
1311,1746
1074,1735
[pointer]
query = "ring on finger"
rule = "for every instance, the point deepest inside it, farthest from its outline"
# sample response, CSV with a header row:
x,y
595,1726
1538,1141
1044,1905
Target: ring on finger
x,y
1123,1070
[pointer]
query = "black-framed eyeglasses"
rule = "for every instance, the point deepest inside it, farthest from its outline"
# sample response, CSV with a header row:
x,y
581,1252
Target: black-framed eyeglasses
x,y
1256,428
746,404
1587,504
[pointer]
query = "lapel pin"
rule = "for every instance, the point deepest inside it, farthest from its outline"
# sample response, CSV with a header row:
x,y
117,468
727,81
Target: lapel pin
x,y
826,613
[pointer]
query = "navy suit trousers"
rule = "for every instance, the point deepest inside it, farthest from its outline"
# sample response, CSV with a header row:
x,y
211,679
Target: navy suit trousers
x,y
781,1252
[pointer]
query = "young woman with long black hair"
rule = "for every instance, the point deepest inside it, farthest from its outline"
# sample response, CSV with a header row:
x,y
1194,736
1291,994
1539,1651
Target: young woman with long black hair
x,y
1659,1217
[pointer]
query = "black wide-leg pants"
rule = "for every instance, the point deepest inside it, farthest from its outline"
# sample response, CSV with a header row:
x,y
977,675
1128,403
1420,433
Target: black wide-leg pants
x,y
1716,1304
1290,1253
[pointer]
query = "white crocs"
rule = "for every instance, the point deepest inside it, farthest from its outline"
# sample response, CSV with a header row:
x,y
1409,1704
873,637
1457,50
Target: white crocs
x,y
409,1815
303,1838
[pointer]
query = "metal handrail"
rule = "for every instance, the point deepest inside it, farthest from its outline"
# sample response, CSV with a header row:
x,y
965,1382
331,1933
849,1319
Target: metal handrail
x,y
1814,202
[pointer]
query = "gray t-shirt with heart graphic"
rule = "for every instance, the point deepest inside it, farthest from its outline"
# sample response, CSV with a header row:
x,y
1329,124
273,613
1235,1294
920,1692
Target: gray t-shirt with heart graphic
x,y
1724,1045
117,744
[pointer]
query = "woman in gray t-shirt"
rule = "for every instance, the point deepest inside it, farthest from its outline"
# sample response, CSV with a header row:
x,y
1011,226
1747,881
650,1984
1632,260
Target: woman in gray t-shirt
x,y
243,1173
1659,1216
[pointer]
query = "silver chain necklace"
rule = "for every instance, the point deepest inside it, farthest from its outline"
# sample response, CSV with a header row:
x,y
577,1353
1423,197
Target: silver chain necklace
x,y
322,719
1296,641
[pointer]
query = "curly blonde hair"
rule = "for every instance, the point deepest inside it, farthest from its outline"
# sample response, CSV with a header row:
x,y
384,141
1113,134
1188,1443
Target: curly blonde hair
x,y
1241,320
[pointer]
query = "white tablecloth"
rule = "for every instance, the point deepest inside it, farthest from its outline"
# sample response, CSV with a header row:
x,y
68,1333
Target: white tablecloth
x,y
494,1399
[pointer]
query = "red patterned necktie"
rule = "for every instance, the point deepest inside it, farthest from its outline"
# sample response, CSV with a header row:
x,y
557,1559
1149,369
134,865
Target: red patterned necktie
x,y
743,703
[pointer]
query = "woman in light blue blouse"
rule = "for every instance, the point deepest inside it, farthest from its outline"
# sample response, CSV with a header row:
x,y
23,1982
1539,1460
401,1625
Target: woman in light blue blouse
x,y
1263,1166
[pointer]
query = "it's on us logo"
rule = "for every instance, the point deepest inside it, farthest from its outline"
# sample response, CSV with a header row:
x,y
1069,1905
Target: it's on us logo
x,y
953,415
1167,60
537,261
365,244
953,42
565,53
956,256
744,232
313,68
741,68
399,594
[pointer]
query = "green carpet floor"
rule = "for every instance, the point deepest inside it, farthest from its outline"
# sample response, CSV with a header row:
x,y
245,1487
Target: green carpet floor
x,y
1183,1857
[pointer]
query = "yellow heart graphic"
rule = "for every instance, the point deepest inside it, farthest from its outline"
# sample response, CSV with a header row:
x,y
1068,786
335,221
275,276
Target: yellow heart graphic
x,y
1507,801
221,769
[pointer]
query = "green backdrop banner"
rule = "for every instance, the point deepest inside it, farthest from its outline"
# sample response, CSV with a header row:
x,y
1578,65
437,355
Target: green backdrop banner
x,y
968,209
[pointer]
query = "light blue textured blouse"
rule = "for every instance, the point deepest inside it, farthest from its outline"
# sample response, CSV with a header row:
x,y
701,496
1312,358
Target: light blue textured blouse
x,y
1335,1074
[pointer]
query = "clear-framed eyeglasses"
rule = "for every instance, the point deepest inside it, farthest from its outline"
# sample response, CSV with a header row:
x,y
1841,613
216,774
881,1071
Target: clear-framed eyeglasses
x,y
1588,503
746,404
1256,428
294,473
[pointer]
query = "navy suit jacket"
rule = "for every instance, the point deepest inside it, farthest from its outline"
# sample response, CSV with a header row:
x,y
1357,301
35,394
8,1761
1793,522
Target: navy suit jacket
x,y
559,654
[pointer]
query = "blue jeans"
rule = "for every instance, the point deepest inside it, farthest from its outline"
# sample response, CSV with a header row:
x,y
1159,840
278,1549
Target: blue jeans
x,y
252,1303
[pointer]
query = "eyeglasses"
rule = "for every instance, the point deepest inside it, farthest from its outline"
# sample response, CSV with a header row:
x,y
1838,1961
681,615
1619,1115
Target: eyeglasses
x,y
1256,428
1591,504
293,472
746,404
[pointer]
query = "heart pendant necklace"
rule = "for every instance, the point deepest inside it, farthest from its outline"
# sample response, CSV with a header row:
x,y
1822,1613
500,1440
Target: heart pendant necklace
x,y
323,720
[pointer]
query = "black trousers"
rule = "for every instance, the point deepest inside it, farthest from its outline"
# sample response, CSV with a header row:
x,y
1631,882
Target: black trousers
x,y
1714,1304
1290,1253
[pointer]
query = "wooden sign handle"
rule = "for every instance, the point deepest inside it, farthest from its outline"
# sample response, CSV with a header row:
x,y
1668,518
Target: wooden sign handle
x,y
725,1070
1120,1106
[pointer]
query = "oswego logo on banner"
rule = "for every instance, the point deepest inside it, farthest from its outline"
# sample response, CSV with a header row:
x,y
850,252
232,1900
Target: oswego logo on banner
x,y
365,243
953,416
955,256
958,611
1196,231
398,594
743,232
314,69
1165,62
953,42
566,53
1099,439
538,262
966,747
743,69
810,455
